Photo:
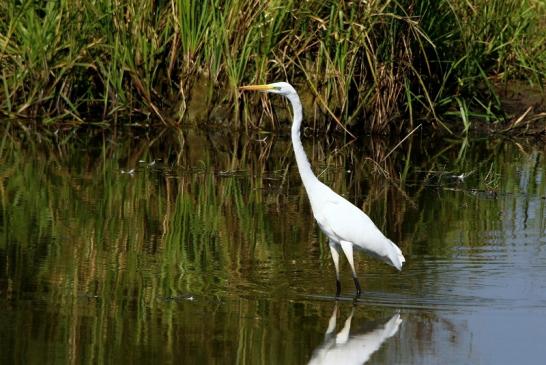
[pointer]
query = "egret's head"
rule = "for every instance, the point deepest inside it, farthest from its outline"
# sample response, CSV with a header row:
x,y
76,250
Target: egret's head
x,y
282,88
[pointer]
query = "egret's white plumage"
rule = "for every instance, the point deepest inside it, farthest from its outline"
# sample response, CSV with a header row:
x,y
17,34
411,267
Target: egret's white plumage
x,y
345,225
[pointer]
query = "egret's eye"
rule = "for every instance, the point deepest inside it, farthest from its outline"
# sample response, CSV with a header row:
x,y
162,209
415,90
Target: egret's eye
x,y
277,88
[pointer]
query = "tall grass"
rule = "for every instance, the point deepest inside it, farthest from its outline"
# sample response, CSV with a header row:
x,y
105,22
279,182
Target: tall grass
x,y
379,65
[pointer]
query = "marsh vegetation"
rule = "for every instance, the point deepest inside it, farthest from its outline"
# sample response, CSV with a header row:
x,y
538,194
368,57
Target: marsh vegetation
x,y
378,66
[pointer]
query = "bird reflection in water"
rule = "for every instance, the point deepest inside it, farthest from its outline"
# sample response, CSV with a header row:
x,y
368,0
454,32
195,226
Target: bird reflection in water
x,y
352,348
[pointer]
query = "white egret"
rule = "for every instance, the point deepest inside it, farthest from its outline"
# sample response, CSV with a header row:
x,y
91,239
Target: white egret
x,y
346,226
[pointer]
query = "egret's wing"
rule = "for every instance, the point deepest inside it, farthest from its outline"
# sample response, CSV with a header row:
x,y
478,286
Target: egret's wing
x,y
348,223
340,220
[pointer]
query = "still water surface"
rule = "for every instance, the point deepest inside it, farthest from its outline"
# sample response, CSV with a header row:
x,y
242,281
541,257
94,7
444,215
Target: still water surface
x,y
192,247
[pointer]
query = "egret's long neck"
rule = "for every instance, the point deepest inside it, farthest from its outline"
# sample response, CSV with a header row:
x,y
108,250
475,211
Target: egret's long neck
x,y
304,166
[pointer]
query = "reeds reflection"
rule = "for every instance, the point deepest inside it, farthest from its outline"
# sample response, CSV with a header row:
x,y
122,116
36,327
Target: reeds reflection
x,y
204,250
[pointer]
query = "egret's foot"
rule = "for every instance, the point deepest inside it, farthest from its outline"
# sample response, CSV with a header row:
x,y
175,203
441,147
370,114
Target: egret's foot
x,y
338,288
357,286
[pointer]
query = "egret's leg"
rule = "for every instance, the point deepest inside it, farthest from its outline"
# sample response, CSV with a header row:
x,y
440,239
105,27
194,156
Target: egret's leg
x,y
348,251
334,249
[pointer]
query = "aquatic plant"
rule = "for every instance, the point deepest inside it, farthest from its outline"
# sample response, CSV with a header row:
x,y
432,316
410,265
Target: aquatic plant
x,y
376,65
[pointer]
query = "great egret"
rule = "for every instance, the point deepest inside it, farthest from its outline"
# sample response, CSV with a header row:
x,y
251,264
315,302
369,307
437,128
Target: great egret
x,y
346,226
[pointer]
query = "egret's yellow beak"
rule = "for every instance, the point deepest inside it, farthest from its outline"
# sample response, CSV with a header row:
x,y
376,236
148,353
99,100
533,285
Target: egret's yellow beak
x,y
257,87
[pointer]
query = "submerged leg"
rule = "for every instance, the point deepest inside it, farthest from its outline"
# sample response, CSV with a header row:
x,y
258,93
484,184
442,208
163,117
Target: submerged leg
x,y
348,251
334,249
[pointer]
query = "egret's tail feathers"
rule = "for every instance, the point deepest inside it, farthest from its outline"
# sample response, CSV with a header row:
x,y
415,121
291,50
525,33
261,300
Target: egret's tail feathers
x,y
396,257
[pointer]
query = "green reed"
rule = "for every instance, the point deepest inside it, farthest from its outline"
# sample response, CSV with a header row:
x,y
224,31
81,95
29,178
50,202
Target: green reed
x,y
379,65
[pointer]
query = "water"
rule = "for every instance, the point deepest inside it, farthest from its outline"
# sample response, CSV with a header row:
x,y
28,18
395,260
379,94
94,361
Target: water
x,y
201,248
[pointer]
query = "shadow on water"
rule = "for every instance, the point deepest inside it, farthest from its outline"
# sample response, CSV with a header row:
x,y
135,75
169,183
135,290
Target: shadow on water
x,y
119,246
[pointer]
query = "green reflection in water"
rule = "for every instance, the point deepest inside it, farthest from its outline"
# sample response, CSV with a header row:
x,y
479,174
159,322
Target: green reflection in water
x,y
202,247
